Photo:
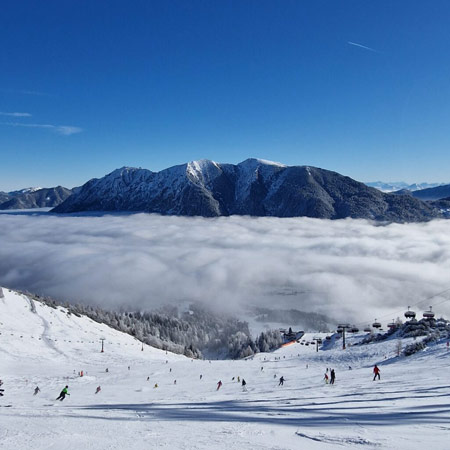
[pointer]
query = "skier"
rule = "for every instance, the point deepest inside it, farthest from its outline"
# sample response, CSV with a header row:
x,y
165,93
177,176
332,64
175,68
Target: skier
x,y
326,378
63,394
244,384
376,372
201,376
219,385
155,386
106,370
98,389
174,381
36,390
281,383
333,376
274,375
238,379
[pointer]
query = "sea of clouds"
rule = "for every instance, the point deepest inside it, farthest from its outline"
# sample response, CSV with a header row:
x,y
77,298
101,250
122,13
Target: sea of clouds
x,y
351,270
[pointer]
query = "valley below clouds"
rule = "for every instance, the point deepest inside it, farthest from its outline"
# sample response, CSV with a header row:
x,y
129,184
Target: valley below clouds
x,y
351,270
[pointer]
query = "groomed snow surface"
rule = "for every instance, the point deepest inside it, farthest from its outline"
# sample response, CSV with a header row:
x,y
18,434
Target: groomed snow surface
x,y
408,409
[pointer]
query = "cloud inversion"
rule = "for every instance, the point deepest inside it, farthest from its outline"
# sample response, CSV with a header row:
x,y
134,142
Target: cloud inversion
x,y
349,269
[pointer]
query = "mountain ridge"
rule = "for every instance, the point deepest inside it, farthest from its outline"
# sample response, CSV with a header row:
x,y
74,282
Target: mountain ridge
x,y
253,187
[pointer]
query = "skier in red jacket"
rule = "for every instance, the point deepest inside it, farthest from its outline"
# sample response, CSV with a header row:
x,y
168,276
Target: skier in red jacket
x,y
376,372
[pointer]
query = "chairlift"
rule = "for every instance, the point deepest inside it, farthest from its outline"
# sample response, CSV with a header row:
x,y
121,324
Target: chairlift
x,y
376,324
410,314
367,329
429,314
354,330
392,325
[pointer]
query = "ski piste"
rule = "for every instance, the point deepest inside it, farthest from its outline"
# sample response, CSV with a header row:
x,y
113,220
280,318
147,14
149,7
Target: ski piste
x,y
406,409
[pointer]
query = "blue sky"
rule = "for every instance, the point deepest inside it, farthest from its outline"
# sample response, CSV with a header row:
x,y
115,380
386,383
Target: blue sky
x,y
90,86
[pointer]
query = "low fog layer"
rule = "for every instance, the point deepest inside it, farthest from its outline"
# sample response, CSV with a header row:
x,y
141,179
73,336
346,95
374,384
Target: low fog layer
x,y
349,269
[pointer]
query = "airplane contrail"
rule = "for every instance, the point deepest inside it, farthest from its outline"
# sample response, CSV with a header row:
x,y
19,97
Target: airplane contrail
x,y
362,46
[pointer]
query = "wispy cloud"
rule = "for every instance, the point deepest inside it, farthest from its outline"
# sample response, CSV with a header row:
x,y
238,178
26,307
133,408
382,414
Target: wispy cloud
x,y
24,92
15,114
65,130
363,47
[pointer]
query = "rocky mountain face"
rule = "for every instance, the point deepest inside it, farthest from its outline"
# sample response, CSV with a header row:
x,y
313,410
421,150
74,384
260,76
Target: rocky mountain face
x,y
34,198
253,187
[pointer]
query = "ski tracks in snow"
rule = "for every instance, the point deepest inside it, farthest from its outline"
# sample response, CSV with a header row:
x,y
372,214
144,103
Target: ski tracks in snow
x,y
338,440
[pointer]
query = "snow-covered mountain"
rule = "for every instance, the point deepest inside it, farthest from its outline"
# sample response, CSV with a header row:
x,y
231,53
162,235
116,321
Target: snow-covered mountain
x,y
254,187
429,192
34,198
401,185
152,396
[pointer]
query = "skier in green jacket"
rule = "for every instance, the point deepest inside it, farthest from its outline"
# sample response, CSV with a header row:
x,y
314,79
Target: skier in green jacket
x,y
63,394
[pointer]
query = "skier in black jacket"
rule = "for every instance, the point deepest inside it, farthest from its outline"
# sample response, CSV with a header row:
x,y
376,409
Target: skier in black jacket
x,y
332,376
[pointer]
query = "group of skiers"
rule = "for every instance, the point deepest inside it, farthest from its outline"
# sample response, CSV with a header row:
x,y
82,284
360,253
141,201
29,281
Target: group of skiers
x,y
331,379
219,383
328,379
64,392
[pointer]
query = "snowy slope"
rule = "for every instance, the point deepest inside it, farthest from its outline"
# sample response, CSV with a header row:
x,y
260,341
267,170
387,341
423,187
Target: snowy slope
x,y
44,334
407,409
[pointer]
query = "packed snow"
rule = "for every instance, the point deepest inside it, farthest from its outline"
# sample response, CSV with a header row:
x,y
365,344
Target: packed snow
x,y
139,405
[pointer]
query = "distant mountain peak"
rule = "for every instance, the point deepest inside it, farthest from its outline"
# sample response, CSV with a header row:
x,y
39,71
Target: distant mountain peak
x,y
258,161
401,185
34,198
